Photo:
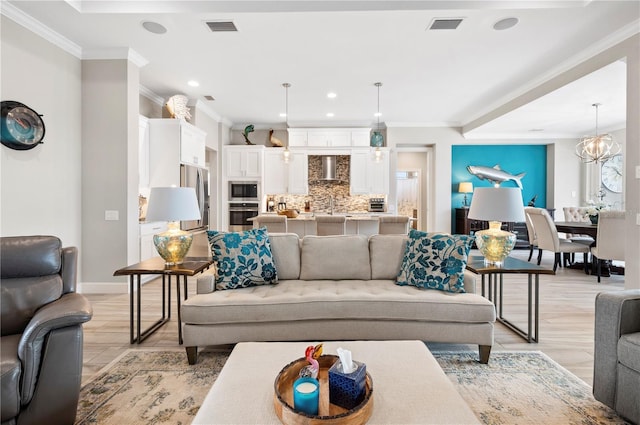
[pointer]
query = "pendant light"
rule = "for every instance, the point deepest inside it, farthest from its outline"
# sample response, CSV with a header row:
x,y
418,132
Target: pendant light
x,y
377,140
597,148
286,154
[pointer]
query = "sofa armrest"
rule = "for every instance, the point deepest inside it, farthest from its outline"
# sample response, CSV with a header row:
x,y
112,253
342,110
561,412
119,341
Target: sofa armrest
x,y
69,310
616,313
206,283
469,282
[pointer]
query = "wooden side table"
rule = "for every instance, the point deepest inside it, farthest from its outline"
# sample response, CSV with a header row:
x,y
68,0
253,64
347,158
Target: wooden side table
x,y
190,267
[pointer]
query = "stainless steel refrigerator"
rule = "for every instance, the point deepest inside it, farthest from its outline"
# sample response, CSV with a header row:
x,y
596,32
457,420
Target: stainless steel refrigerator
x,y
197,178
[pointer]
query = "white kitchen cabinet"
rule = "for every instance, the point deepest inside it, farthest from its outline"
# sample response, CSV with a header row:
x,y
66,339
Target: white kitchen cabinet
x,y
143,152
281,177
166,151
369,176
192,145
297,138
329,137
243,161
360,138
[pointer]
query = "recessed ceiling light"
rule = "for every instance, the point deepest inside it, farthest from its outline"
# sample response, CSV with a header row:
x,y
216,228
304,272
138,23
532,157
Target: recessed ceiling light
x,y
154,27
505,24
282,114
536,129
329,114
377,114
331,95
193,83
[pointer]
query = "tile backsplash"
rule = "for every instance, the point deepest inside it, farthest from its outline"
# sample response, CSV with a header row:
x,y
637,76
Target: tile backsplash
x,y
320,191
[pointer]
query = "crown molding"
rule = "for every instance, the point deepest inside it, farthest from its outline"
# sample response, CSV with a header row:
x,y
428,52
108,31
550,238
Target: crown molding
x,y
37,27
201,106
115,53
157,99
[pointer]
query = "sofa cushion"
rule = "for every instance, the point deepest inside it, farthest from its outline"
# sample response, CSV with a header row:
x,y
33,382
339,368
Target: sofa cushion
x,y
435,261
386,252
335,257
286,254
11,374
243,258
629,351
328,299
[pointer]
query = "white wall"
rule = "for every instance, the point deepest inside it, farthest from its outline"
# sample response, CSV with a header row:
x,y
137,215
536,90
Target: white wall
x,y
40,188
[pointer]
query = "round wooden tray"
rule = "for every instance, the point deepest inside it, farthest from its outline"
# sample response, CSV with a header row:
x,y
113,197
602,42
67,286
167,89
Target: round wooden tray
x,y
328,414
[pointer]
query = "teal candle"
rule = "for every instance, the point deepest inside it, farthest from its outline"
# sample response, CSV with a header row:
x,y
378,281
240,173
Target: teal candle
x,y
306,393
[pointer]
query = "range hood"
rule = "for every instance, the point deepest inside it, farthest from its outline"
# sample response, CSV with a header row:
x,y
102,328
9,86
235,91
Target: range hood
x,y
329,168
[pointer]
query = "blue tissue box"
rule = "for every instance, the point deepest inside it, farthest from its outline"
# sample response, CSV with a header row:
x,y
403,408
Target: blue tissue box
x,y
347,390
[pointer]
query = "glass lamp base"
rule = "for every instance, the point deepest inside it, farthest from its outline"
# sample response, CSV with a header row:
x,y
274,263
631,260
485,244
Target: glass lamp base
x,y
173,244
495,244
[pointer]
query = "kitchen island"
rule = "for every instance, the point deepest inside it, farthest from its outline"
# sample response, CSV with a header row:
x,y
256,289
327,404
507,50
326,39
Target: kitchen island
x,y
356,223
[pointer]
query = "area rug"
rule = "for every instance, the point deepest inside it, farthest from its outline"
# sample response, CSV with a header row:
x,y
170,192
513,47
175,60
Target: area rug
x,y
159,387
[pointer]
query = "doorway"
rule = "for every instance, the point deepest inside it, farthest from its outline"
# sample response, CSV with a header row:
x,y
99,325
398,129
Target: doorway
x,y
412,184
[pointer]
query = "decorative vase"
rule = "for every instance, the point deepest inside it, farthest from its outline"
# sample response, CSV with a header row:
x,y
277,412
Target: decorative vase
x,y
594,219
377,141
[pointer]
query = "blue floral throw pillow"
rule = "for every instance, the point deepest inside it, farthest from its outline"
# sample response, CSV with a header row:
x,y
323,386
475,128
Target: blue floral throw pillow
x,y
243,259
435,261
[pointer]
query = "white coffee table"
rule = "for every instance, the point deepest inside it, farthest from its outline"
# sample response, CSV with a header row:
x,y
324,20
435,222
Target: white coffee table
x,y
409,387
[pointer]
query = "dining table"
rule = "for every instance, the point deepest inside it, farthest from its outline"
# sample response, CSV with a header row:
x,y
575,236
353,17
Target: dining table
x,y
577,228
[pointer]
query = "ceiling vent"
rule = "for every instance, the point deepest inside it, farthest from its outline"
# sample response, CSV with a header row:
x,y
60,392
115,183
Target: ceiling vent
x,y
445,24
222,26
209,97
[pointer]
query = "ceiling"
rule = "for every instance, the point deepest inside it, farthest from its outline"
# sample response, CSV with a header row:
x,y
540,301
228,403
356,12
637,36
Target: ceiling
x,y
430,77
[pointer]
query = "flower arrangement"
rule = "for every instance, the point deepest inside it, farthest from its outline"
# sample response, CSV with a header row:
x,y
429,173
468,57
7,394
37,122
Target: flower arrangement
x,y
595,207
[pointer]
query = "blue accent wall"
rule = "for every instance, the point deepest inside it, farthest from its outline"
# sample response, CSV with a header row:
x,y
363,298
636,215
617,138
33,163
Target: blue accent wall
x,y
513,159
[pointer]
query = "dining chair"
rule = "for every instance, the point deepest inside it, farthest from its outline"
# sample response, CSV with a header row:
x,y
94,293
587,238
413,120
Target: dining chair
x,y
331,225
577,214
393,224
273,222
531,233
610,239
548,239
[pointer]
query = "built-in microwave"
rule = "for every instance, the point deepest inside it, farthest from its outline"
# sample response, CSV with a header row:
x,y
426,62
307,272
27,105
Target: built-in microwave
x,y
244,191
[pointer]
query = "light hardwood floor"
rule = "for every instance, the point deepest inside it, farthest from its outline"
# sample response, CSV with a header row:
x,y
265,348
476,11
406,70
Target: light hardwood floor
x,y
566,320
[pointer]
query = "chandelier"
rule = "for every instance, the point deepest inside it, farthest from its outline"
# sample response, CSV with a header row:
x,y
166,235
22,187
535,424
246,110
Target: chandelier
x,y
598,148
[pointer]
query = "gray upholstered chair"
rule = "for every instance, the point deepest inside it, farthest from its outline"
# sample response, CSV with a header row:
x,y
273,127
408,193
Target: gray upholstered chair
x,y
393,224
331,225
41,323
616,362
547,237
273,222
610,239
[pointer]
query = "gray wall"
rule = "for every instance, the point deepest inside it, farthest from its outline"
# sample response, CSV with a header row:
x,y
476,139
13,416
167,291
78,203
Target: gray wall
x,y
40,188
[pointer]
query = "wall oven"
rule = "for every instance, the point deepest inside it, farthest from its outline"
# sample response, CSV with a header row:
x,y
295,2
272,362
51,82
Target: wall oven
x,y
240,213
244,191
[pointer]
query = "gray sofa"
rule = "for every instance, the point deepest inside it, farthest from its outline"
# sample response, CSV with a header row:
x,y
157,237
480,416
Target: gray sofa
x,y
616,363
336,288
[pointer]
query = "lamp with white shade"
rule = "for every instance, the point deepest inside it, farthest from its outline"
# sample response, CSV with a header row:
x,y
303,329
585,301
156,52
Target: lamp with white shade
x,y
173,204
496,205
465,187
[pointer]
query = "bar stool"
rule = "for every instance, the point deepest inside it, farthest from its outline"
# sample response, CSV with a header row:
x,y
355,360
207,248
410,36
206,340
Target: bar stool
x,y
394,224
331,225
273,222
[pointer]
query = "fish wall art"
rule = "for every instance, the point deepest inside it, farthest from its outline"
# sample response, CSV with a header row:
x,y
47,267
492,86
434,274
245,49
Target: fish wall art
x,y
495,174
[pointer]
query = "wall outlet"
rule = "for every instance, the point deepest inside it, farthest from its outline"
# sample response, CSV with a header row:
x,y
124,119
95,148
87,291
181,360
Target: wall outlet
x,y
573,193
111,215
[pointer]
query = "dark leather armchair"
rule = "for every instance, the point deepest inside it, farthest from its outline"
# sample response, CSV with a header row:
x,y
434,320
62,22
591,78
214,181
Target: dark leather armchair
x,y
41,323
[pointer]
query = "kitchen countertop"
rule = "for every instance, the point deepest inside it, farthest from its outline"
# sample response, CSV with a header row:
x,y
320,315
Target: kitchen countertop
x,y
348,216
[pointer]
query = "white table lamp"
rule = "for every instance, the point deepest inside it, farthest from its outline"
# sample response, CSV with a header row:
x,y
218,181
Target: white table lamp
x,y
465,187
495,205
173,204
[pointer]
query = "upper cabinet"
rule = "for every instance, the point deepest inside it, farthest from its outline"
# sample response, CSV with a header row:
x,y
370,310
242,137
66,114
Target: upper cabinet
x,y
281,177
172,142
243,161
192,145
143,152
369,175
329,137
